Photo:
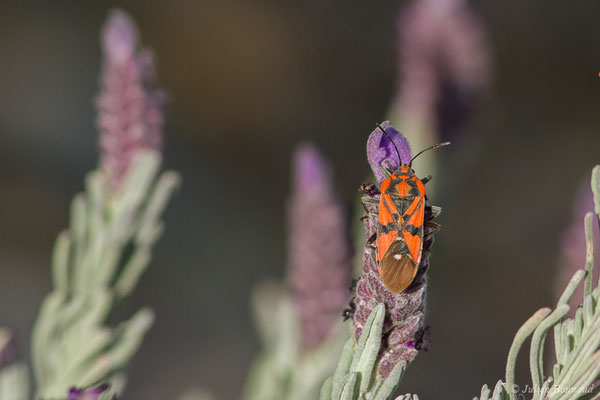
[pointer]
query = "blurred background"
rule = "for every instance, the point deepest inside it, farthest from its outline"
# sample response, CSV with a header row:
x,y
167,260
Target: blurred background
x,y
247,81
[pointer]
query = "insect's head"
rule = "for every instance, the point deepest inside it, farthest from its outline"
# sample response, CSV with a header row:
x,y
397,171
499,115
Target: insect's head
x,y
409,164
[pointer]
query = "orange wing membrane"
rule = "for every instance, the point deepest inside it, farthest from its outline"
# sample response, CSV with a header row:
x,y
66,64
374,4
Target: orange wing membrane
x,y
400,229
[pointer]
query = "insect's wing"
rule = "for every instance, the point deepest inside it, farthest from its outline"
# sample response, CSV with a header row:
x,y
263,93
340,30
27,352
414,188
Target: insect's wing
x,y
413,237
388,228
397,268
399,251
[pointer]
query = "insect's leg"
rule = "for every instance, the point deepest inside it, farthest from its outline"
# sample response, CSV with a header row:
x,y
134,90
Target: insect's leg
x,y
432,227
435,211
365,200
370,200
386,172
372,239
369,188
426,179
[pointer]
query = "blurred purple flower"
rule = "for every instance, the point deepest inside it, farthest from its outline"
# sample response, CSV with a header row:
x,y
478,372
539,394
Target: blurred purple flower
x,y
572,245
120,38
93,393
130,106
8,351
320,257
381,152
404,321
444,61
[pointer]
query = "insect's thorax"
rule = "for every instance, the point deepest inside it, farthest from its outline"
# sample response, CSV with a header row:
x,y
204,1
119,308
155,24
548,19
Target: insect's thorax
x,y
403,183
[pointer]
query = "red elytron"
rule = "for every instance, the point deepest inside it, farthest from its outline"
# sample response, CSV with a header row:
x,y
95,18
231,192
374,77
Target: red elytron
x,y
401,223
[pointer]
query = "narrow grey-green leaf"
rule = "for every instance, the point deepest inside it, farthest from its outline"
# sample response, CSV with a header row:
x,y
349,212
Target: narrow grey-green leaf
x,y
350,388
596,188
571,287
14,382
368,346
500,393
60,262
522,334
326,389
537,347
164,188
485,393
391,382
564,299
589,253
343,367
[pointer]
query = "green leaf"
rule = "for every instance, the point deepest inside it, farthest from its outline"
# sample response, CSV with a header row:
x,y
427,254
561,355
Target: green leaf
x,y
522,334
596,188
589,253
391,382
343,368
350,387
60,262
326,389
368,347
485,393
14,382
71,342
536,362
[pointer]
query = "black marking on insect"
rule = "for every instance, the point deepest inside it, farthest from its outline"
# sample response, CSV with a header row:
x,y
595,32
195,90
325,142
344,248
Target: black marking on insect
x,y
413,230
401,203
387,228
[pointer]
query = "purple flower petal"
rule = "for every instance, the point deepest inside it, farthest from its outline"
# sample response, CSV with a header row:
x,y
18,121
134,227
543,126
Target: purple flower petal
x,y
381,151
119,37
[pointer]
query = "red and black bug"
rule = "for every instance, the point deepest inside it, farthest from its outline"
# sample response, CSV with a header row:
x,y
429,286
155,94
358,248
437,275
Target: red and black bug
x,y
400,229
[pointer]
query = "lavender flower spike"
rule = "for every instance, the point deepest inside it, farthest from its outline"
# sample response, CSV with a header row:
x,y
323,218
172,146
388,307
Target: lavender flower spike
x,y
130,115
445,66
403,326
320,261
381,152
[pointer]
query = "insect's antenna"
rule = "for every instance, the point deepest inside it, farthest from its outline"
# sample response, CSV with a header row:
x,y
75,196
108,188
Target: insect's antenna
x,y
435,146
393,144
